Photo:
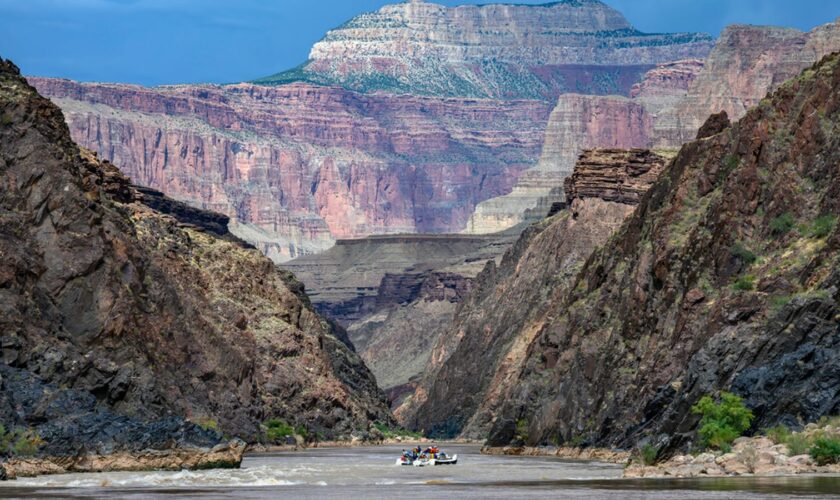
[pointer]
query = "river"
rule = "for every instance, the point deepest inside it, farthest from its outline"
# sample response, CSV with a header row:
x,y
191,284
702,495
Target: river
x,y
367,473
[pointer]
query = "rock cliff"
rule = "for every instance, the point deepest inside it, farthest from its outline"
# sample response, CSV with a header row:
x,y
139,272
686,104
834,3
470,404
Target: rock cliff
x,y
125,314
476,357
498,51
576,123
747,63
298,166
666,109
725,277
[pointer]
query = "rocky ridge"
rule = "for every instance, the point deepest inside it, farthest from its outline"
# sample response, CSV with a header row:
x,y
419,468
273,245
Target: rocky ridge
x,y
477,356
121,322
724,278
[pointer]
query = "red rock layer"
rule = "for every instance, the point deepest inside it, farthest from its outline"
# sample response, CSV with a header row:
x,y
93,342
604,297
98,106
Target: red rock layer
x,y
298,165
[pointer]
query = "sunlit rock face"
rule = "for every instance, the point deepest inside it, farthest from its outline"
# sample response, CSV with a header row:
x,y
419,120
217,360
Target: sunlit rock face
x,y
300,165
499,51
577,122
747,63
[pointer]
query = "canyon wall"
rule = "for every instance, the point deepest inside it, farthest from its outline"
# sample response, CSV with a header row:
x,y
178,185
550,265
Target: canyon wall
x,y
576,123
126,314
396,294
665,110
298,166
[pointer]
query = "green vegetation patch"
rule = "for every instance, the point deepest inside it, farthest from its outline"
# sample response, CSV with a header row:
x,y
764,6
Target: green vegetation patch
x,y
826,450
821,227
782,224
722,421
394,432
744,283
278,430
745,254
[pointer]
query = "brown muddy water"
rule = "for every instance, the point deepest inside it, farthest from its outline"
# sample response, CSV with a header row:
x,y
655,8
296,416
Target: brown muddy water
x,y
370,473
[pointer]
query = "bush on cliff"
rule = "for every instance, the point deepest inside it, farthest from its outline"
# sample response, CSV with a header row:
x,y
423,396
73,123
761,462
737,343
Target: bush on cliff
x,y
724,421
278,430
826,450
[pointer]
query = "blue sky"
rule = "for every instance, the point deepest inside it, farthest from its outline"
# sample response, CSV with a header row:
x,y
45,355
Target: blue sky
x,y
154,42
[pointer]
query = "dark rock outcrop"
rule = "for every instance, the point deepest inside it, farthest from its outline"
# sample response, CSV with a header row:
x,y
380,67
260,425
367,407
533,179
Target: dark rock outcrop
x,y
725,277
124,314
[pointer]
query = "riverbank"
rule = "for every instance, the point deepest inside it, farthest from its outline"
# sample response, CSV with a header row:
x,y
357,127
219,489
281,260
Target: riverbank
x,y
585,454
757,456
223,456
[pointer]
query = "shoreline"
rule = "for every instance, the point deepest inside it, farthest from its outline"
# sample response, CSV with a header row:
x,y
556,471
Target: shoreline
x,y
222,456
604,455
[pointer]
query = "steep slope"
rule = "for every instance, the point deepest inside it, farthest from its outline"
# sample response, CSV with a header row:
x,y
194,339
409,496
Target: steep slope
x,y
724,278
486,345
499,51
298,166
117,299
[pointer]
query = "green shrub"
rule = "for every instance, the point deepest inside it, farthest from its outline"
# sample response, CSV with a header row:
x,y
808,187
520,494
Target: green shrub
x,y
744,283
731,162
778,434
5,120
648,454
724,421
782,224
278,430
826,450
302,431
797,444
780,301
822,226
740,251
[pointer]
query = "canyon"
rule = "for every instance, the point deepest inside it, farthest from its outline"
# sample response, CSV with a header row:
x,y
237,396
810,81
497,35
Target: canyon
x,y
129,318
403,121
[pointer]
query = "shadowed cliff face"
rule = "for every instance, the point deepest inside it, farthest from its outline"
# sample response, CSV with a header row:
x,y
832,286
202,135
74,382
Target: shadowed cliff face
x,y
724,278
149,312
478,356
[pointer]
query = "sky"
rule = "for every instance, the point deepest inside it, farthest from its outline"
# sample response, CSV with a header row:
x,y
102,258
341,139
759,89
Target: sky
x,y
155,42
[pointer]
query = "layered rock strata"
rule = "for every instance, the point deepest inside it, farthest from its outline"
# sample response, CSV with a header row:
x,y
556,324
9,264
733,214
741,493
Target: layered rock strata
x,y
396,294
498,51
126,314
298,166
746,63
577,122
479,355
